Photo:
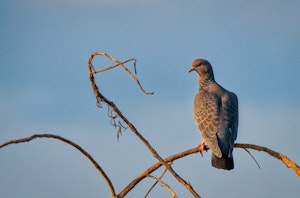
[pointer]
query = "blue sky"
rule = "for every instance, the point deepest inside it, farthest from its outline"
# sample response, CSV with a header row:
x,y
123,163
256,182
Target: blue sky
x,y
44,88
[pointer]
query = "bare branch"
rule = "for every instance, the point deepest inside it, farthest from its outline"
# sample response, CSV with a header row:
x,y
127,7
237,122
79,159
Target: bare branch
x,y
165,185
289,163
86,154
100,98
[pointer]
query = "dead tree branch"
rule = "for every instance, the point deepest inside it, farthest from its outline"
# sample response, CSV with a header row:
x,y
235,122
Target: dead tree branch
x,y
100,98
289,163
86,154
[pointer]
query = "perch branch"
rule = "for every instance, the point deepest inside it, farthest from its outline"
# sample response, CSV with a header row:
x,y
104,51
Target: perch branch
x,y
100,98
86,154
165,185
289,163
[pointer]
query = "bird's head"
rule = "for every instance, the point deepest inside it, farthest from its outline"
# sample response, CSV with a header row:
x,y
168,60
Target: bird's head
x,y
203,68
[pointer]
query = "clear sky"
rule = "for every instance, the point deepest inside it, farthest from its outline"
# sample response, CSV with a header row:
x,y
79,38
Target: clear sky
x,y
253,46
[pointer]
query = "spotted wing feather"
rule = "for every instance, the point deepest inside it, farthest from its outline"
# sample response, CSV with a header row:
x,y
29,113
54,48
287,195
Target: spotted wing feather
x,y
229,117
206,114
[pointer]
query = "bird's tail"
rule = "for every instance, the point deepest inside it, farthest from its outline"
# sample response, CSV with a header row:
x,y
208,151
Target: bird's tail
x,y
224,162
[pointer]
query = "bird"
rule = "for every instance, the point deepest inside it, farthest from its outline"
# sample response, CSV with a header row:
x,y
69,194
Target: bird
x,y
216,115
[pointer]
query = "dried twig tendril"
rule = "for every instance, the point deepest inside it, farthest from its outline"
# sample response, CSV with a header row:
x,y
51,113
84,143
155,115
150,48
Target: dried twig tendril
x,y
118,63
114,118
165,185
152,187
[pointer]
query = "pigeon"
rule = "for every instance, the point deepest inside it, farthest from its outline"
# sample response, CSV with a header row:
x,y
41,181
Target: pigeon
x,y
216,115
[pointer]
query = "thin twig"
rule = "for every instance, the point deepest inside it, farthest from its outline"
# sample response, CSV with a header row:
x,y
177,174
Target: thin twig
x,y
151,188
86,154
93,71
165,185
252,157
116,65
289,163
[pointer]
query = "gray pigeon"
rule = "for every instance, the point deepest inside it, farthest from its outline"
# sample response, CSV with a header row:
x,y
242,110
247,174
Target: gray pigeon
x,y
216,115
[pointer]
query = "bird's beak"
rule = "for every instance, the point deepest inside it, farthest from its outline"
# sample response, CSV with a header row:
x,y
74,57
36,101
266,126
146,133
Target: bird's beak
x,y
192,69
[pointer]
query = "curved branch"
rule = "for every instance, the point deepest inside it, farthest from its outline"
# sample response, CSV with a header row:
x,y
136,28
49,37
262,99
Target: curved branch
x,y
165,185
289,163
86,154
100,98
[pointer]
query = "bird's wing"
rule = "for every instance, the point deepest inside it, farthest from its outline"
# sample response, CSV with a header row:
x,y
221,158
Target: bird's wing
x,y
206,114
230,117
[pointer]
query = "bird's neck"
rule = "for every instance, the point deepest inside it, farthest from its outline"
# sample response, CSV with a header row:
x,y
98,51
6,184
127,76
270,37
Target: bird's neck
x,y
206,82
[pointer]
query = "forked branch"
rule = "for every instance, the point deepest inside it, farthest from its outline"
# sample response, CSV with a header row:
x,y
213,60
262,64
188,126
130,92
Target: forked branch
x,y
152,187
118,63
165,185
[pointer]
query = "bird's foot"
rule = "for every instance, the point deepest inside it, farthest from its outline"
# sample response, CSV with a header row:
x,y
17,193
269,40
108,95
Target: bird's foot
x,y
202,147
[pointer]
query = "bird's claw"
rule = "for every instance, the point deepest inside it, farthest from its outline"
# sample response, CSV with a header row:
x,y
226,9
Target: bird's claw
x,y
202,147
